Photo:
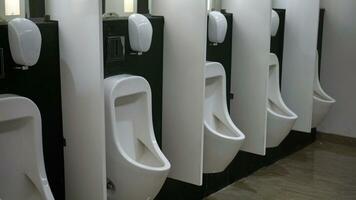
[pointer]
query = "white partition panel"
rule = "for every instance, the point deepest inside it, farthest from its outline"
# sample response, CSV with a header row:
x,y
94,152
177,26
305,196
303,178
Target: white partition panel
x,y
80,35
183,85
300,44
251,47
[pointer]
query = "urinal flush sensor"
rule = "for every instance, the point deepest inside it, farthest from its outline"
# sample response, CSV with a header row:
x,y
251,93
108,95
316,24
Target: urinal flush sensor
x,y
25,42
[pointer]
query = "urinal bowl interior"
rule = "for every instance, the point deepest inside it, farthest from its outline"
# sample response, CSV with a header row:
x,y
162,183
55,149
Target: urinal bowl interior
x,y
131,122
222,139
15,185
134,160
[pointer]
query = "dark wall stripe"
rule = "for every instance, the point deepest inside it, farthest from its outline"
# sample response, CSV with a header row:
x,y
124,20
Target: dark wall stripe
x,y
277,42
320,35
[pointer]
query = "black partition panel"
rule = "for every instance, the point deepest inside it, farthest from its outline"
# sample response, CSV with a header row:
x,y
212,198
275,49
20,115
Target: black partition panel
x,y
143,6
119,59
320,35
41,83
277,42
37,8
222,53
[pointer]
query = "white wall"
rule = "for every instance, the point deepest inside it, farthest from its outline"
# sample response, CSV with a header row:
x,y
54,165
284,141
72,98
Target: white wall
x,y
80,35
300,44
338,73
250,61
183,85
282,4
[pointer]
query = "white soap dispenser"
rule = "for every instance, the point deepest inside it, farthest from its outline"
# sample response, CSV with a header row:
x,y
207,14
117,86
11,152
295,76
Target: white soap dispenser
x,y
25,42
274,23
140,33
217,27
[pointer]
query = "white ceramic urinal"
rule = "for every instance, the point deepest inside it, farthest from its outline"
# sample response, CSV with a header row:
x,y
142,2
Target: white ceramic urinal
x,y
280,119
22,170
322,102
136,167
222,139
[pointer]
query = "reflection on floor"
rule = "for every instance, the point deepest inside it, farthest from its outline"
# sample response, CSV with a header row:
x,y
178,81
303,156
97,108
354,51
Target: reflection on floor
x,y
325,170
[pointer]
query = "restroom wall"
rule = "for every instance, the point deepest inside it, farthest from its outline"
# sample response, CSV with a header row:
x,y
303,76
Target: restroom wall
x,y
183,86
41,83
251,47
338,66
81,62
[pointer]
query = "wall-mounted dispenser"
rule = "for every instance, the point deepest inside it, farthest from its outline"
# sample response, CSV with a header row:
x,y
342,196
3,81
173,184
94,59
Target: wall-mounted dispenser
x,y
274,23
217,27
140,33
25,42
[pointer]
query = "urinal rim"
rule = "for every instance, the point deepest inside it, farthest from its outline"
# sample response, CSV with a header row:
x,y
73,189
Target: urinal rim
x,y
293,115
116,80
321,92
329,101
326,98
239,135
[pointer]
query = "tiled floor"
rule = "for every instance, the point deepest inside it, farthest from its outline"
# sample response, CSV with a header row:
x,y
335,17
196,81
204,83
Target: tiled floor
x,y
325,170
